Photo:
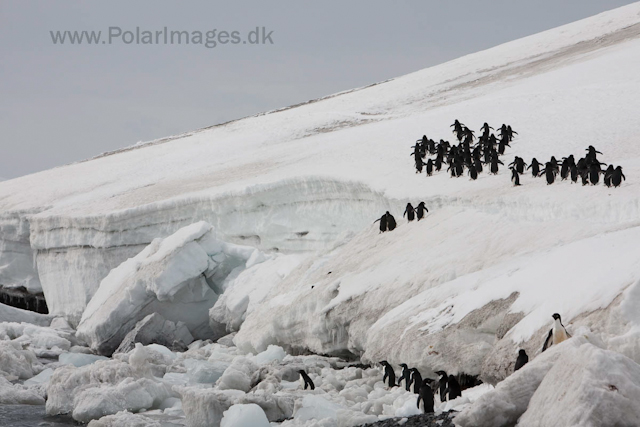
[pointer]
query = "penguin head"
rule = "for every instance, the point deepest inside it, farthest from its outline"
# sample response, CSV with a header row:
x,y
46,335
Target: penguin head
x,y
522,352
404,365
556,316
427,381
384,363
301,371
441,373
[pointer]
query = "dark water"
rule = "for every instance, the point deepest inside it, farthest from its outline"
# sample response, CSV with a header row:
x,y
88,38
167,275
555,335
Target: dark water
x,y
31,416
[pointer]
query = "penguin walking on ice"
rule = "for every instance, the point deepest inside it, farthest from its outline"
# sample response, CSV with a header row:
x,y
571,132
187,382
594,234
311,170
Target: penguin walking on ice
x,y
557,334
391,222
522,360
383,222
442,385
617,176
426,395
420,210
535,167
388,373
416,380
409,212
406,376
515,178
307,381
453,387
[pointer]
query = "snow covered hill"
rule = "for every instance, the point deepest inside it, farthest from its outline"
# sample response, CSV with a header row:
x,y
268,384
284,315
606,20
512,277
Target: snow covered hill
x,y
460,290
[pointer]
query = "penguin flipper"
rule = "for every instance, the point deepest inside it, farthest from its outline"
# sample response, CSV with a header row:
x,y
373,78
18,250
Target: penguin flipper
x,y
548,341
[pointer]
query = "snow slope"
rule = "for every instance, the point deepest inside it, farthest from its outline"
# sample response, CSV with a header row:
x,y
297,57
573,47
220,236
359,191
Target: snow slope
x,y
460,290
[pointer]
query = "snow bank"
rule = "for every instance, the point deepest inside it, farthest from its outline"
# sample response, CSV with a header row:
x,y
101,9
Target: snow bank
x,y
156,329
250,415
178,277
504,405
587,386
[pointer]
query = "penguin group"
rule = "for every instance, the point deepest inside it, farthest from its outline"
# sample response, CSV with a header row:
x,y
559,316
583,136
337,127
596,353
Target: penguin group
x,y
474,157
388,222
446,387
588,169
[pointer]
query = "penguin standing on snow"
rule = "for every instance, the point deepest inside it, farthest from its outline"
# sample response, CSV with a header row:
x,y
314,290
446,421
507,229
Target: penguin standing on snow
x,y
391,222
388,373
453,387
416,380
409,212
426,395
420,210
442,385
557,334
617,176
522,360
307,380
406,376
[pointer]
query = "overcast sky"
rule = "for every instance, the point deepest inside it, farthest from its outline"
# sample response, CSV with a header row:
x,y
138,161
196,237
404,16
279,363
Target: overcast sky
x,y
63,103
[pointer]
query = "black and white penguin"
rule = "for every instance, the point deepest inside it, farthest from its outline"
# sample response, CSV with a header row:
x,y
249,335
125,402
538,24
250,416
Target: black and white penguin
x,y
420,210
391,222
453,387
617,176
388,373
383,222
307,381
522,360
409,212
426,395
515,178
557,334
406,376
442,385
416,380
535,167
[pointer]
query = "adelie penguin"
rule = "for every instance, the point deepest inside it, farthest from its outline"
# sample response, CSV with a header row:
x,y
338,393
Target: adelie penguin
x,y
522,360
535,167
388,373
429,167
426,395
515,177
557,334
420,210
383,222
307,381
406,376
442,385
416,380
410,212
453,388
617,176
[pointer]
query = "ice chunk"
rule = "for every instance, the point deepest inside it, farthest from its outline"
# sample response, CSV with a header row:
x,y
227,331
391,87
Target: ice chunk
x,y
316,408
248,415
17,395
41,378
15,362
203,372
125,419
68,381
79,359
131,394
13,314
587,386
156,329
238,375
178,277
271,354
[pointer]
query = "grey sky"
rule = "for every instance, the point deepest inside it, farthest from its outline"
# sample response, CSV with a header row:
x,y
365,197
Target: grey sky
x,y
63,103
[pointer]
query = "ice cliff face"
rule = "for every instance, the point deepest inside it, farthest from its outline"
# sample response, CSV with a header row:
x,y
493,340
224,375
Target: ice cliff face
x,y
460,290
